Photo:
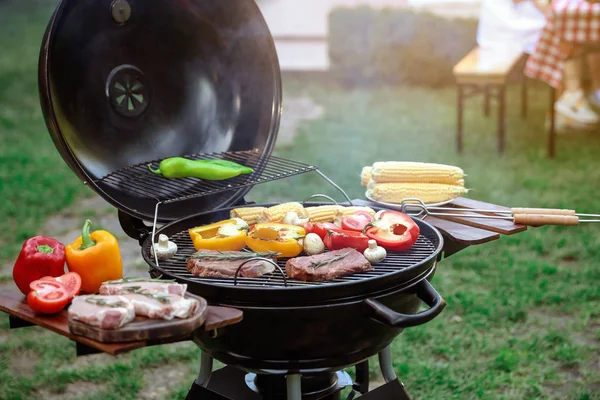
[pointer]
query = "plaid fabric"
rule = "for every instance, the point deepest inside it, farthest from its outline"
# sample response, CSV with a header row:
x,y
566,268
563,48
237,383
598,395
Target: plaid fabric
x,y
570,22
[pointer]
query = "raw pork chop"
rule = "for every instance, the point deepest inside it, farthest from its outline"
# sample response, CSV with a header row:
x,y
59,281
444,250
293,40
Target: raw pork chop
x,y
150,286
316,269
162,306
207,267
106,312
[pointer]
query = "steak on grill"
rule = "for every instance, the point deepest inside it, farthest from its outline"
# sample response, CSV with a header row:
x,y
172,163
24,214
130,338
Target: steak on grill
x,y
106,312
221,267
320,267
149,286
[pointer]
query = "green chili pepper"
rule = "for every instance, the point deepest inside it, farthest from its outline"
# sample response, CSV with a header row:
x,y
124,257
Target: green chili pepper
x,y
231,164
179,167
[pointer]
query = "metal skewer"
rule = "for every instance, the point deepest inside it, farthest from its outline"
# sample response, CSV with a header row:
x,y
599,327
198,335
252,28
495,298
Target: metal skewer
x,y
522,216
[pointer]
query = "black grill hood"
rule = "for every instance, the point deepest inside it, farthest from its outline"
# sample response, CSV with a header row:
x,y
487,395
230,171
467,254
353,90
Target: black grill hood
x,y
129,81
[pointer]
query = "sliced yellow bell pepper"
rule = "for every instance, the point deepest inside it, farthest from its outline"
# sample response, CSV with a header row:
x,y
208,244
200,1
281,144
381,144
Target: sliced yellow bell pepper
x,y
280,238
226,235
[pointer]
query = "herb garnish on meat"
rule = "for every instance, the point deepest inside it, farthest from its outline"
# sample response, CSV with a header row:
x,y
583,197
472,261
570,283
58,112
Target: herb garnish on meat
x,y
129,280
319,264
102,302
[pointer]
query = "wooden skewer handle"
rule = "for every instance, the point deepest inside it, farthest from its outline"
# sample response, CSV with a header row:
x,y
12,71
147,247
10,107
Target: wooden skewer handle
x,y
539,220
544,211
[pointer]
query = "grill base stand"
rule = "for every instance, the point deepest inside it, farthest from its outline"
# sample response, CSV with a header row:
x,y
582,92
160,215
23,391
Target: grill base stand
x,y
230,383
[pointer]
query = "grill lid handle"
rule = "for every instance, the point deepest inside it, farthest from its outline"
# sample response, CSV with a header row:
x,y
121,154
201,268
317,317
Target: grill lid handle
x,y
387,316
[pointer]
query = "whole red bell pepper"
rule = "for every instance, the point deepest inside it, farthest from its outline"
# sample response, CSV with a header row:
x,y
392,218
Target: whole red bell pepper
x,y
39,257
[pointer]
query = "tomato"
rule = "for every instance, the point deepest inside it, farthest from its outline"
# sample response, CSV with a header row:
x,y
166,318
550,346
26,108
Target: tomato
x,y
45,285
366,215
396,217
336,240
50,299
309,227
71,281
322,228
357,221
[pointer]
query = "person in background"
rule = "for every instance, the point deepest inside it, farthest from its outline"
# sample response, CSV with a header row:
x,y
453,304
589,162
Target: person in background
x,y
516,25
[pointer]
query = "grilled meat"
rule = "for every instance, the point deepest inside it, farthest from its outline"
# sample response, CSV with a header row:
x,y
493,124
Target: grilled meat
x,y
327,266
149,286
162,306
224,264
106,312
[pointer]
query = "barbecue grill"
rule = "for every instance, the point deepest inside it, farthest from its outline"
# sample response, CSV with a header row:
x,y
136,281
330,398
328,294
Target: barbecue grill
x,y
127,83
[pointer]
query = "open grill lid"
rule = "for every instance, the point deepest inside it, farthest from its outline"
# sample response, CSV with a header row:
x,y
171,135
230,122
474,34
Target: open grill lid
x,y
125,82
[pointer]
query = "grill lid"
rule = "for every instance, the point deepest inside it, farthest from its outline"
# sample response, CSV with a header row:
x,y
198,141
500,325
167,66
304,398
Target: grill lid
x,y
124,82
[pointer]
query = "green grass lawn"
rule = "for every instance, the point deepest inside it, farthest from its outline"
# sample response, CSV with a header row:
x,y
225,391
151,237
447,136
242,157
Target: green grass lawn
x,y
523,316
34,181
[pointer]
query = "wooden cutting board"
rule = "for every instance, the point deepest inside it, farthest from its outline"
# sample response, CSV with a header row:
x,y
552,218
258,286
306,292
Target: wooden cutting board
x,y
142,328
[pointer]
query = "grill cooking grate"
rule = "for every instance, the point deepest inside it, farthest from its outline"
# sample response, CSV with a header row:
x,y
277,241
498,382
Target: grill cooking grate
x,y
395,261
139,180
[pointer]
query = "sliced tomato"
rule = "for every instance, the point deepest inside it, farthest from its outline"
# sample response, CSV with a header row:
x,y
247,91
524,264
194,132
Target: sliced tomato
x,y
341,239
46,285
71,281
365,214
321,228
357,221
396,217
309,227
49,301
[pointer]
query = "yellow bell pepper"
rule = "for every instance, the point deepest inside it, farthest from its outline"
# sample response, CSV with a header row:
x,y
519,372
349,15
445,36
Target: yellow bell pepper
x,y
228,235
280,238
96,257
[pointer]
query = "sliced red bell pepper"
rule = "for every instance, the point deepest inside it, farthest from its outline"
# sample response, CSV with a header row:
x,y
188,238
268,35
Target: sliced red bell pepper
x,y
393,231
341,239
398,217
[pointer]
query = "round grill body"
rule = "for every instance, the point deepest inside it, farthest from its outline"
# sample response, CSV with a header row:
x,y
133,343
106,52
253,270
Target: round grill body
x,y
304,326
125,82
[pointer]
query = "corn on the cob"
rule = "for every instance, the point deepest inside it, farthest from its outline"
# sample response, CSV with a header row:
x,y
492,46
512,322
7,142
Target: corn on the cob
x,y
248,214
322,213
416,172
276,213
344,211
365,176
427,192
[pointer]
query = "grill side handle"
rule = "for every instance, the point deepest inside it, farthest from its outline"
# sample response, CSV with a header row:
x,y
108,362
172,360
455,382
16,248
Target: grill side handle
x,y
387,316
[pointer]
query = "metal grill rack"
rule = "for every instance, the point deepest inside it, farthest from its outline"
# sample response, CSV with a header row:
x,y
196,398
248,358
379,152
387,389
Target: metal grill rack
x,y
139,180
395,261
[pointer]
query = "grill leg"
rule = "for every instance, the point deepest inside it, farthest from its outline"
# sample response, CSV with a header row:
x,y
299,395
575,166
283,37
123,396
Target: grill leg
x,y
362,377
385,363
206,366
501,118
294,387
459,118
